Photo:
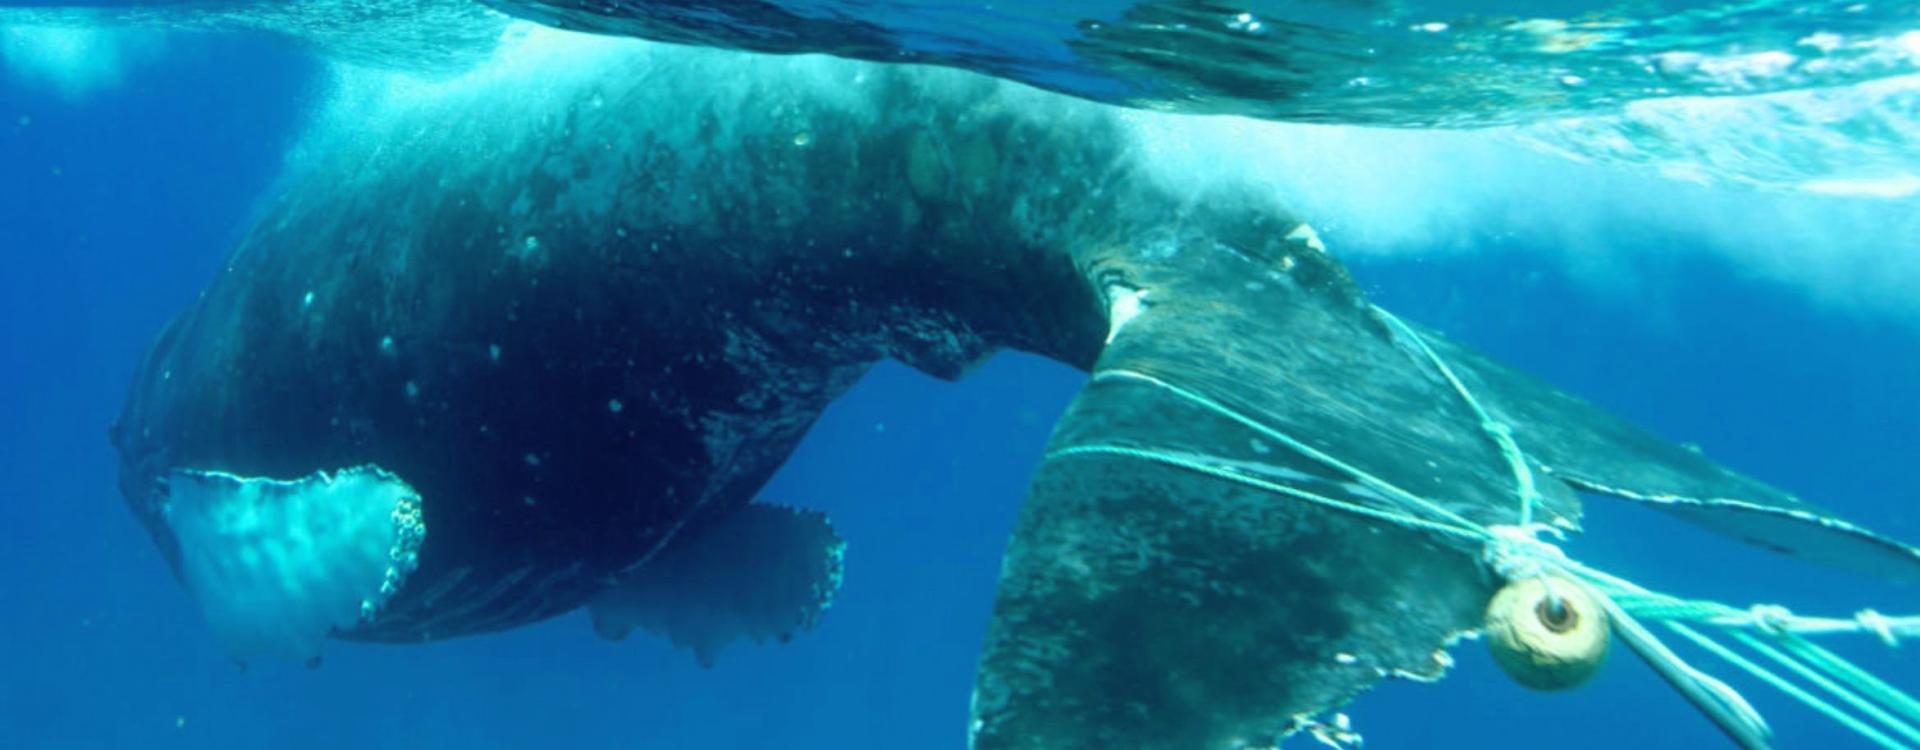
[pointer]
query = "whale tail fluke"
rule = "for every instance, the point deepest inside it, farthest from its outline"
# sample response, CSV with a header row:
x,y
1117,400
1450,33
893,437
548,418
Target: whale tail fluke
x,y
1595,452
1272,495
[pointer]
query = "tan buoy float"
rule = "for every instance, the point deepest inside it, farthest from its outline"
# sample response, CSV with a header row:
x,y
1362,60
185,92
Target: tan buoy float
x,y
1547,632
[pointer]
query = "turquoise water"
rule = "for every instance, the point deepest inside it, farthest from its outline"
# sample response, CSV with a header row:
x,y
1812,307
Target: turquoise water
x,y
1692,270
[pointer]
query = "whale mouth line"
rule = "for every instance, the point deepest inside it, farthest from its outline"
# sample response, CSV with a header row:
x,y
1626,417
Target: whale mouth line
x,y
277,565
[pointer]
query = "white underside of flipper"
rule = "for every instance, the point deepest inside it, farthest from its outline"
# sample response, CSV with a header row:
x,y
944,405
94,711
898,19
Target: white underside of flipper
x,y
278,565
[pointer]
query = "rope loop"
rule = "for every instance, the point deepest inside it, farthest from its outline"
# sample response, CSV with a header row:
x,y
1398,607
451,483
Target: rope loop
x,y
1877,624
1771,619
1516,552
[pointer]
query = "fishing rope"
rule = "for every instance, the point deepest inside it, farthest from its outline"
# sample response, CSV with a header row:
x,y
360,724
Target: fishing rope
x,y
1500,432
1419,505
1200,466
1516,552
1825,682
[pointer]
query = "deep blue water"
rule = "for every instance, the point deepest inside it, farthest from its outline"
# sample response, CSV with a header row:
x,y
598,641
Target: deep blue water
x,y
116,208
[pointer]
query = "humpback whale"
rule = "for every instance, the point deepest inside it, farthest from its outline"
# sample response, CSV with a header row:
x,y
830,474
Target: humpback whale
x,y
493,354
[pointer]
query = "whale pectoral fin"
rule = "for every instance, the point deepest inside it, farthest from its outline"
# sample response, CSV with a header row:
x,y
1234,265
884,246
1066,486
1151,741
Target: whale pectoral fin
x,y
1593,451
761,572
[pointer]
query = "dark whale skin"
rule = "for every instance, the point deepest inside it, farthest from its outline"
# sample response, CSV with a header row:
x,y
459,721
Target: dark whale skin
x,y
572,349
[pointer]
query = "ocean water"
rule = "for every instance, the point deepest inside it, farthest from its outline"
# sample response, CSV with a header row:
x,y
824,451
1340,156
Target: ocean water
x,y
1775,327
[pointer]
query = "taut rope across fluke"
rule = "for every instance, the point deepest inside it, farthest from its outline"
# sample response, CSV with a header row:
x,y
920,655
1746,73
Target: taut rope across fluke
x,y
1554,607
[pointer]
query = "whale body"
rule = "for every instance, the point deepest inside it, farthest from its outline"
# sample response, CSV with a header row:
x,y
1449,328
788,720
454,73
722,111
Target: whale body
x,y
499,349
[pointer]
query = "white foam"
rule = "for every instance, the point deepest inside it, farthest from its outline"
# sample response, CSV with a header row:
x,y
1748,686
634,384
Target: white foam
x,y
278,565
1898,186
1845,242
74,61
532,73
